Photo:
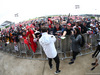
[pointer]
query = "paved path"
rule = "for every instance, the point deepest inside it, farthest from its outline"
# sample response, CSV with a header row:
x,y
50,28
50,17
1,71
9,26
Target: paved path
x,y
10,65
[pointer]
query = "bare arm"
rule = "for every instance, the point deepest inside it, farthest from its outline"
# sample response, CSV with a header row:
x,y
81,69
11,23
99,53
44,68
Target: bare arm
x,y
64,33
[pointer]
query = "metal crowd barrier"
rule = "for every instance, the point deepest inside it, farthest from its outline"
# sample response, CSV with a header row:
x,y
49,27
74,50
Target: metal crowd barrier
x,y
63,48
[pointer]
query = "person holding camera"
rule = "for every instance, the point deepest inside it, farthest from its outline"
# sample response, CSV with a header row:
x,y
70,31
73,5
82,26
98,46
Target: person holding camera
x,y
47,42
76,40
97,62
97,55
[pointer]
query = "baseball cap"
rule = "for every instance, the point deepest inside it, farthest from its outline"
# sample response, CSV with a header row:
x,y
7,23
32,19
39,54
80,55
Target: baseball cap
x,y
68,24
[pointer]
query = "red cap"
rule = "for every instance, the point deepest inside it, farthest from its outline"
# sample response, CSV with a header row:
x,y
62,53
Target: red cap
x,y
69,24
20,25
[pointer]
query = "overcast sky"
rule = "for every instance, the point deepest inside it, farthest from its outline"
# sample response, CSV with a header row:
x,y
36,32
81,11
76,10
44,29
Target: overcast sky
x,y
35,8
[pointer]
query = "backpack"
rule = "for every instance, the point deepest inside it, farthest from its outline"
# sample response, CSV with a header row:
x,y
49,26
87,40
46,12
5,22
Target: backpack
x,y
83,41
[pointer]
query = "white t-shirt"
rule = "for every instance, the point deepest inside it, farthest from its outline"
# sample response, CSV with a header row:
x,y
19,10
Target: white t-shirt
x,y
47,42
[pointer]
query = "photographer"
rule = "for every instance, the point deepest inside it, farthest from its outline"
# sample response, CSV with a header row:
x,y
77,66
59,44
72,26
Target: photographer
x,y
47,42
97,55
76,40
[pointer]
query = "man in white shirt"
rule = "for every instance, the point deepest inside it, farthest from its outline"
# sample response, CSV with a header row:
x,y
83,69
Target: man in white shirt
x,y
47,42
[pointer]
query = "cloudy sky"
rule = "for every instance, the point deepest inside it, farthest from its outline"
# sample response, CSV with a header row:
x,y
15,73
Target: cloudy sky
x,y
28,9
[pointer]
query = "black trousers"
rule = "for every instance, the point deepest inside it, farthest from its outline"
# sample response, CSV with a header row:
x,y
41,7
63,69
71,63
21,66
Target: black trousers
x,y
97,51
57,61
75,54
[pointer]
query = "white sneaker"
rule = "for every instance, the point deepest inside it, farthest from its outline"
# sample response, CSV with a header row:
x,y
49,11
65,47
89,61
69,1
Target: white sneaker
x,y
57,72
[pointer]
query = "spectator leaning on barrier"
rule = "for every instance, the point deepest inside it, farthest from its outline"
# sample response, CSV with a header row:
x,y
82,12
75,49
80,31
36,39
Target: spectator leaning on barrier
x,y
76,40
63,27
67,31
63,24
56,28
30,36
84,28
47,42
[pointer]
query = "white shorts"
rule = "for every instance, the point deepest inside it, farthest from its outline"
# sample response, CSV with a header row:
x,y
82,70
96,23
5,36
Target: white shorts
x,y
98,58
98,61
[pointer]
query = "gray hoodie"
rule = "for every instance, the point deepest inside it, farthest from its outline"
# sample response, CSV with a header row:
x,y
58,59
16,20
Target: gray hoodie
x,y
76,43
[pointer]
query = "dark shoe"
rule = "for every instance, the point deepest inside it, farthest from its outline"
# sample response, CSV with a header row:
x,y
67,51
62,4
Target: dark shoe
x,y
93,64
50,67
71,63
57,72
92,68
92,55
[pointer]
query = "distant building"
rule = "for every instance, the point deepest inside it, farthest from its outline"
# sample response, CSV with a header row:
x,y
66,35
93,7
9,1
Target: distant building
x,y
6,23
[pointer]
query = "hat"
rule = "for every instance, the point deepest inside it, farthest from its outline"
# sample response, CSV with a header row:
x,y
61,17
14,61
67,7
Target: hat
x,y
20,25
68,24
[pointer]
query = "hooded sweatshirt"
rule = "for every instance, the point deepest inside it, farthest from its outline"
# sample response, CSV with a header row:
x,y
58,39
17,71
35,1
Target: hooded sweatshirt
x,y
47,42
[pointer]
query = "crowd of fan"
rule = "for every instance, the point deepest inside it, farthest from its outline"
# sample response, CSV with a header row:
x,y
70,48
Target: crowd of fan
x,y
59,26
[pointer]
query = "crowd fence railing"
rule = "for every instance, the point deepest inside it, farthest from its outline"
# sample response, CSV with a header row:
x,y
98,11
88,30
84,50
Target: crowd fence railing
x,y
63,47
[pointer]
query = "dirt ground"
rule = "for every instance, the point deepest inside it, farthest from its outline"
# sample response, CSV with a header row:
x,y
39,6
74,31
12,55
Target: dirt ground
x,y
10,65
